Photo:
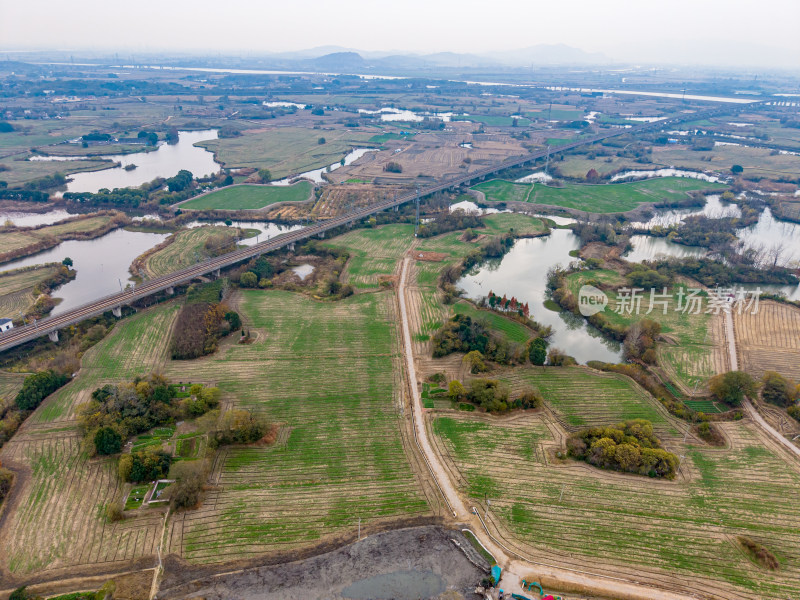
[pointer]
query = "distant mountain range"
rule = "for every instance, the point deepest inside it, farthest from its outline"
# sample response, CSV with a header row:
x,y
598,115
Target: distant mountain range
x,y
339,58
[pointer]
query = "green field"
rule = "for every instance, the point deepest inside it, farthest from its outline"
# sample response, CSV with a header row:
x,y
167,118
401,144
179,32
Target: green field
x,y
605,198
373,252
582,397
250,197
585,518
329,374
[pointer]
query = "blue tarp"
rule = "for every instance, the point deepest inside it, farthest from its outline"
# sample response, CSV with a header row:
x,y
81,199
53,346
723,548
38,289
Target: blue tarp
x,y
496,572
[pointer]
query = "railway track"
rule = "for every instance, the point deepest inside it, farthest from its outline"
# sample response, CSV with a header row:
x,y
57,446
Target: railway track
x,y
114,302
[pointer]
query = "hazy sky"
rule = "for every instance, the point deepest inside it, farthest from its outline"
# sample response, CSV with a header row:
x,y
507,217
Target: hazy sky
x,y
627,29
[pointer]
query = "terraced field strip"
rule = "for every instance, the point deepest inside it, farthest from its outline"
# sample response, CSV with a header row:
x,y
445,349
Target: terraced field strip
x,y
325,372
373,252
187,249
59,522
16,289
10,384
604,198
678,534
769,340
250,197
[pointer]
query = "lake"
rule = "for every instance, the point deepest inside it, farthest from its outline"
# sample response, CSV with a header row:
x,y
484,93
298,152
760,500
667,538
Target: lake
x,y
523,273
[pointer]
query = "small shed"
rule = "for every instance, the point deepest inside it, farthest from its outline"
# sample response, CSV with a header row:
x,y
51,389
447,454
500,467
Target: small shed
x,y
6,324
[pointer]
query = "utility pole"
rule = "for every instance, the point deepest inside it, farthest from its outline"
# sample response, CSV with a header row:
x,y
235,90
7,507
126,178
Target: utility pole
x,y
416,225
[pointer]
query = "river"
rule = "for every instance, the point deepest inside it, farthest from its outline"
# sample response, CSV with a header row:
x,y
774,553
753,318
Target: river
x,y
165,161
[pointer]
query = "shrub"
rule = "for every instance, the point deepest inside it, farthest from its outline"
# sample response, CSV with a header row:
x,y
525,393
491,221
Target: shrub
x,y
114,511
233,318
761,555
6,479
537,351
239,427
37,387
489,394
393,167
248,279
777,389
794,411
559,358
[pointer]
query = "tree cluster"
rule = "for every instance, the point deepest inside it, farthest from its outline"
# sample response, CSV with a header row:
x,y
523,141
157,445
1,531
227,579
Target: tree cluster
x,y
492,395
37,387
631,447
144,465
464,334
732,387
505,304
117,412
198,328
446,221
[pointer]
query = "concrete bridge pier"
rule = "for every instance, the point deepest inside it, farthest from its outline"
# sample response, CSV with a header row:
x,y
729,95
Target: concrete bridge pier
x,y
291,247
53,335
170,290
217,273
117,311
321,235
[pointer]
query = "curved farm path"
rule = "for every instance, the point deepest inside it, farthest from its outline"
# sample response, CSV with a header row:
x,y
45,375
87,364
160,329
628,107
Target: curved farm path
x,y
515,566
751,410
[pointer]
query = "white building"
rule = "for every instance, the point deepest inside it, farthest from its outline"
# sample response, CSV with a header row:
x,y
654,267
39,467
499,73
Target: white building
x,y
5,325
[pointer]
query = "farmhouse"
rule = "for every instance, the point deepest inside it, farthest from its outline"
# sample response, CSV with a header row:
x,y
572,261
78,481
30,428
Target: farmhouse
x,y
5,325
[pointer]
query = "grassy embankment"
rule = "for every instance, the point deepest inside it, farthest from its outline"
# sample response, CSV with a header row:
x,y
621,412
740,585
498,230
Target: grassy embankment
x,y
604,198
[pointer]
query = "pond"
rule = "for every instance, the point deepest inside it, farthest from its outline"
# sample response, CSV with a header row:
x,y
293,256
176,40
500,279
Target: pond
x,y
523,273
303,271
399,585
165,161
646,247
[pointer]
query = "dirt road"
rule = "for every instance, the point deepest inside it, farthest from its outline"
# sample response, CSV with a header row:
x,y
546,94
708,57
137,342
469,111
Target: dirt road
x,y
515,566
